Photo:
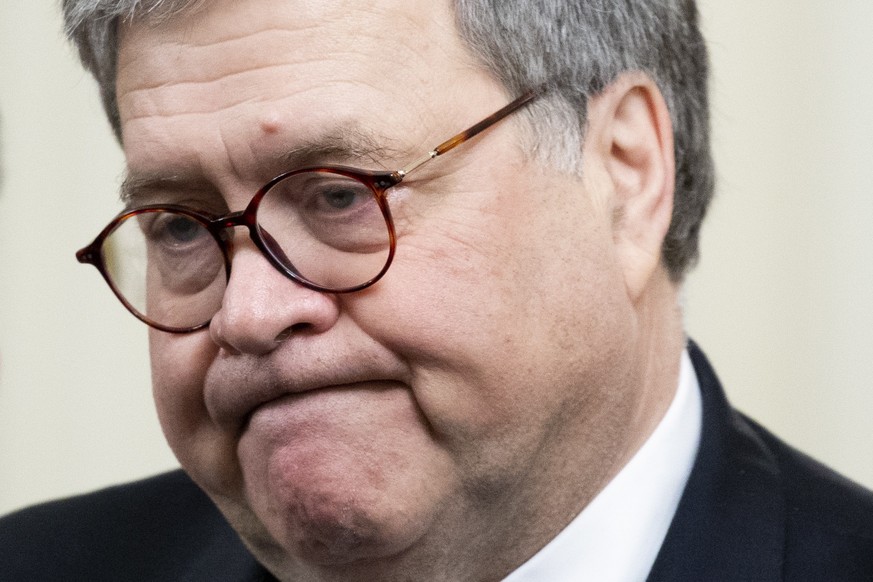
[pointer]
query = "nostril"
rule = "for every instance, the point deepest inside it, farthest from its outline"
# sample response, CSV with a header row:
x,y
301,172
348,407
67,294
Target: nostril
x,y
289,331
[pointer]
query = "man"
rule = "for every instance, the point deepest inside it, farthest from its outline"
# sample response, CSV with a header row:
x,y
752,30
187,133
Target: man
x,y
387,347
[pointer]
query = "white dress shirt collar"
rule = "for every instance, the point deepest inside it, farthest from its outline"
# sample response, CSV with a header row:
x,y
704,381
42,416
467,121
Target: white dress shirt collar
x,y
616,538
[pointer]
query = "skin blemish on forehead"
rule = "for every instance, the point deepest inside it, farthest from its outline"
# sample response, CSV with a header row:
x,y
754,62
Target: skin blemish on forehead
x,y
270,124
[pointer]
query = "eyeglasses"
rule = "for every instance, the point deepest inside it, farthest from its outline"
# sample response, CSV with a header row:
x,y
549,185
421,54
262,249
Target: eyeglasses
x,y
328,228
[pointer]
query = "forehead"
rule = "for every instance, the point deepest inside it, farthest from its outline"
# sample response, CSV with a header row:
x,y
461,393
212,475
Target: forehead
x,y
260,72
263,32
226,37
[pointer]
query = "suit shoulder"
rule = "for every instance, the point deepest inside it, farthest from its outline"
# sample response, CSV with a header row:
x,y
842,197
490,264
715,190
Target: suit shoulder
x,y
817,493
829,517
158,528
113,510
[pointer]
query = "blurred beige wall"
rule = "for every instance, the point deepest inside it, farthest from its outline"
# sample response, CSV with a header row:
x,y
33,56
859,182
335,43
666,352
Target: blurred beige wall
x,y
781,301
783,298
75,403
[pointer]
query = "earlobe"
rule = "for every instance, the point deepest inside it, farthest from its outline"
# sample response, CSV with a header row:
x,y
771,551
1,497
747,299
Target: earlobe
x,y
634,136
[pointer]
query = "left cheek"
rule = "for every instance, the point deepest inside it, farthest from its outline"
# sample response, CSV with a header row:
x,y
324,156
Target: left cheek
x,y
484,312
446,308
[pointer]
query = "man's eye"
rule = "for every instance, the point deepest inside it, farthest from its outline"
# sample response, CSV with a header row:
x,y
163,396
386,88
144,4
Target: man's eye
x,y
173,230
182,229
339,197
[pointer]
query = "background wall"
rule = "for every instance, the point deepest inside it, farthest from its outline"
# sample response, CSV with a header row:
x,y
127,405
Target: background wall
x,y
781,300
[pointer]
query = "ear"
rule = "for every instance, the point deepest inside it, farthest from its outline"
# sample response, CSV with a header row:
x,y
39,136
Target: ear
x,y
632,136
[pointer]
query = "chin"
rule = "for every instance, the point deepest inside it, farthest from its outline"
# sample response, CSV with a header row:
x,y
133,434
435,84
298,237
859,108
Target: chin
x,y
324,538
337,523
322,531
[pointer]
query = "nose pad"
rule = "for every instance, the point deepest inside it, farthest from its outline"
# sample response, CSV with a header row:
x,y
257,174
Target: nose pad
x,y
263,308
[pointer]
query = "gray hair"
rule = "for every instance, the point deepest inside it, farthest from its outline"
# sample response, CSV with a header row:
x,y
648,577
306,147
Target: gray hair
x,y
579,46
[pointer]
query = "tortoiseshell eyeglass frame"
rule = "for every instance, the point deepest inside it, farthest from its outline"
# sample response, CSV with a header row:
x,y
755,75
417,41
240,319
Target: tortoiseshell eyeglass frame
x,y
379,182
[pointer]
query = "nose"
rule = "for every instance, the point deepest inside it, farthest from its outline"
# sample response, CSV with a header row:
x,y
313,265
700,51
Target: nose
x,y
262,307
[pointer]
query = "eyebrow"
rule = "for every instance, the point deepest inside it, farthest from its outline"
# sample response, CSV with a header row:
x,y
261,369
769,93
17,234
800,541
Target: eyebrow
x,y
346,143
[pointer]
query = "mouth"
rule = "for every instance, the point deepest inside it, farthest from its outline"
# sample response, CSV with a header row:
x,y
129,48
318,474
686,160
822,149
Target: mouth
x,y
238,388
234,395
344,401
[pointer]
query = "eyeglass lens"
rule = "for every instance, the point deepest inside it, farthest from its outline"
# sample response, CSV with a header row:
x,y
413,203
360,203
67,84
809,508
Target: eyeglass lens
x,y
322,227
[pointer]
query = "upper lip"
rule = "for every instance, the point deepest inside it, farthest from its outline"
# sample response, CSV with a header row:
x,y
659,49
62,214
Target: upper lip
x,y
236,386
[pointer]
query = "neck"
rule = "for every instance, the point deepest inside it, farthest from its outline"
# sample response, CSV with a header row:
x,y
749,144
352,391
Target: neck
x,y
660,342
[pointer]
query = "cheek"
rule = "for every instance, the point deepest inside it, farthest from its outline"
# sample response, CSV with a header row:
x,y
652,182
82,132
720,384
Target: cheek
x,y
520,261
179,367
505,311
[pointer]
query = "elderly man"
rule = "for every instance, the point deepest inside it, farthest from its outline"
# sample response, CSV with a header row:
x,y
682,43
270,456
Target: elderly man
x,y
411,271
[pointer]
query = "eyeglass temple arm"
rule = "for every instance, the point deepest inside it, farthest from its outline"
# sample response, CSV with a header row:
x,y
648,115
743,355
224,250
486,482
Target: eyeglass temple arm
x,y
472,131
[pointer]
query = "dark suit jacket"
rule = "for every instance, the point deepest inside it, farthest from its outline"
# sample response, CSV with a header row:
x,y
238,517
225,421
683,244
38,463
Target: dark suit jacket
x,y
754,509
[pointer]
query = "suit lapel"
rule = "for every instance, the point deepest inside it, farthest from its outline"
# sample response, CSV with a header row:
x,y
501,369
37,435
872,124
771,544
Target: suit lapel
x,y
730,523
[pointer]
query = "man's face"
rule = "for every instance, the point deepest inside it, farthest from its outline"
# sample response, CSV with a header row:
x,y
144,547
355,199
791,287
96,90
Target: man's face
x,y
447,405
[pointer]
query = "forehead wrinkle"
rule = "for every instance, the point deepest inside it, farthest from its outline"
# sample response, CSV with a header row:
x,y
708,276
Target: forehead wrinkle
x,y
206,68
155,53
160,99
210,80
